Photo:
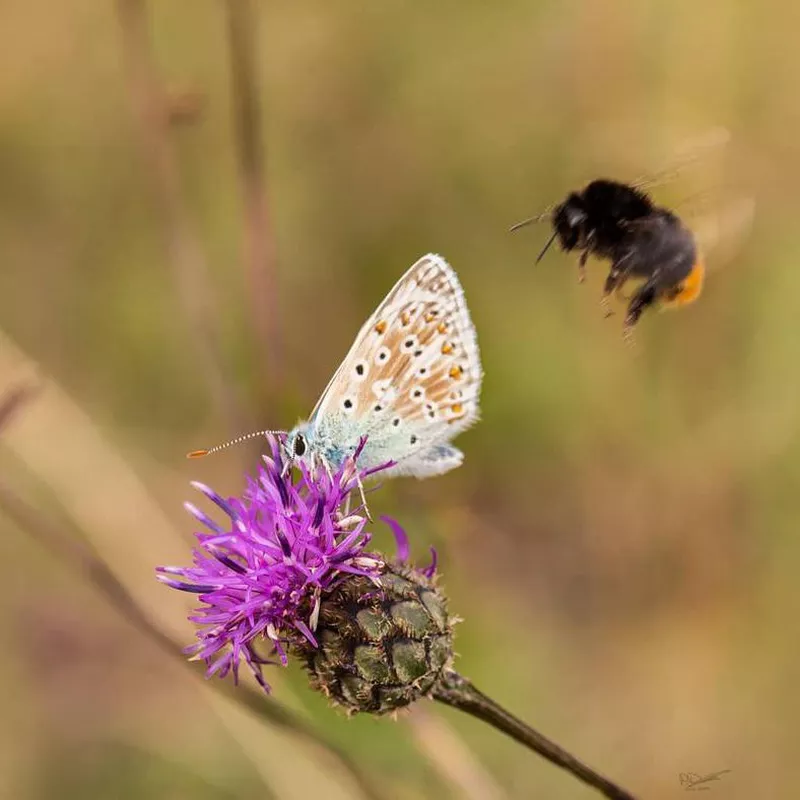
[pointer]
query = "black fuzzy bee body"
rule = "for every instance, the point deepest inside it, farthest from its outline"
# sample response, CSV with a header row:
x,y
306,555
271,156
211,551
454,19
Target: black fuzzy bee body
x,y
595,220
619,223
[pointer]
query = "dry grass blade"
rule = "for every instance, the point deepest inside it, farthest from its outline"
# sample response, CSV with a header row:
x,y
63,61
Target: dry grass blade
x,y
14,399
80,557
452,757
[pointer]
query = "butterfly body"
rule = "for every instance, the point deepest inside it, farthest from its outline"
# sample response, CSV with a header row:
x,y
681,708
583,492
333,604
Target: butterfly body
x,y
409,384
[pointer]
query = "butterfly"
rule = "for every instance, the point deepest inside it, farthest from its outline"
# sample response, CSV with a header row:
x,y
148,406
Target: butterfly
x,y
409,384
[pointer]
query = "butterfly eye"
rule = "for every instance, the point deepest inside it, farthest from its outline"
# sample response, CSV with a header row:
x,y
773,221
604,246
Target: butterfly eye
x,y
300,445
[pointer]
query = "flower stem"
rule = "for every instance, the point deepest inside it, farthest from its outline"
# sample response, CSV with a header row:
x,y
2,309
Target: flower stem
x,y
459,693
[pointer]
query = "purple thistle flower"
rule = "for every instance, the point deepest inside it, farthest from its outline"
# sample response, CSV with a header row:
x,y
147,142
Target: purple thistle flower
x,y
291,566
262,575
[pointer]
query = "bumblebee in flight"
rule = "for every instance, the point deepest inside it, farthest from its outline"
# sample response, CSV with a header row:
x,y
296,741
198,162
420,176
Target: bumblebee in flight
x,y
644,242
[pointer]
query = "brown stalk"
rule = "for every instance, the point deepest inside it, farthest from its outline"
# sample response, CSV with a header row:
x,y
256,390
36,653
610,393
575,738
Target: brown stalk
x,y
458,692
259,241
186,256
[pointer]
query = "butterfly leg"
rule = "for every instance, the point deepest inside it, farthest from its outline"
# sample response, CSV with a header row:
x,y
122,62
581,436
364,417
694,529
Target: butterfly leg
x,y
360,485
363,497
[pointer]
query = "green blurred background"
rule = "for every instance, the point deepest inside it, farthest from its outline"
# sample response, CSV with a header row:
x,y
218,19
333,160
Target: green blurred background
x,y
621,540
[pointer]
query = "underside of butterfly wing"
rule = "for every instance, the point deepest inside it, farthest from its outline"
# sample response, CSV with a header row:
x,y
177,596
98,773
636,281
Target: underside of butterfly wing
x,y
412,378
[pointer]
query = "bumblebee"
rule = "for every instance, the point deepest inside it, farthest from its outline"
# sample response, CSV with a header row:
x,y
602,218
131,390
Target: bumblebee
x,y
645,243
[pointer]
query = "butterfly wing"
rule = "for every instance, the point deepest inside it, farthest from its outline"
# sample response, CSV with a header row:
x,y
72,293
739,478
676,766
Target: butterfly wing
x,y
410,382
436,460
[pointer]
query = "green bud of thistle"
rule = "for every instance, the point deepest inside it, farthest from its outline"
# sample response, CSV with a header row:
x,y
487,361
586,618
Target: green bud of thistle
x,y
381,647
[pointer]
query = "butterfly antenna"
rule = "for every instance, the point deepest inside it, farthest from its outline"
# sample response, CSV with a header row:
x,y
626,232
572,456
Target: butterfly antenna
x,y
531,220
546,247
237,440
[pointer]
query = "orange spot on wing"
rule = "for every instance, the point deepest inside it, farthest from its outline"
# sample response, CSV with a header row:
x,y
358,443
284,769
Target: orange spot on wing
x,y
457,412
447,348
380,327
456,372
430,316
442,327
691,287
405,318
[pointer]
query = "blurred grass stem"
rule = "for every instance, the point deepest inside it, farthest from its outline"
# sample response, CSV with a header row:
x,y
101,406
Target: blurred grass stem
x,y
459,693
189,265
259,246
451,756
70,549
14,399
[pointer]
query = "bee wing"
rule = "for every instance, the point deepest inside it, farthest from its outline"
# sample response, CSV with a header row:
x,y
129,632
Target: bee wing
x,y
721,233
691,152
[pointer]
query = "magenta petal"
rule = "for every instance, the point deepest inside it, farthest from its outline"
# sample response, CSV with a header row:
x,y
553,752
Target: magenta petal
x,y
281,549
400,538
430,570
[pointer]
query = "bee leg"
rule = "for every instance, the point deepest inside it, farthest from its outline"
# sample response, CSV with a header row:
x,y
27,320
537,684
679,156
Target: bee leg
x,y
587,247
641,300
627,334
613,281
582,266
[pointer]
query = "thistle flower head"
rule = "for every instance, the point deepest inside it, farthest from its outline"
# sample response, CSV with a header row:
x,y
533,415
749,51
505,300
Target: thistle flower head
x,y
264,576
